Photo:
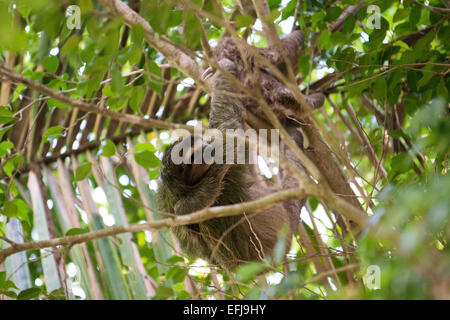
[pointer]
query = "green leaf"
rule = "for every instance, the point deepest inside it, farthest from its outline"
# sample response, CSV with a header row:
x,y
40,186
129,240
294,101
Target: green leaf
x,y
427,116
273,3
414,16
423,44
18,91
86,6
401,162
313,203
21,209
192,31
280,247
160,15
5,147
318,16
155,80
137,96
154,272
6,284
108,149
333,13
153,174
147,159
33,75
324,40
10,209
51,64
153,68
137,34
117,103
2,279
4,130
75,231
117,82
177,274
57,294
10,294
248,271
401,13
290,282
176,18
174,259
5,115
338,38
243,21
11,164
380,89
442,90
53,133
396,134
56,104
145,146
180,275
349,24
107,91
274,14
83,171
71,45
377,37
427,76
288,10
213,8
28,294
401,44
304,65
163,293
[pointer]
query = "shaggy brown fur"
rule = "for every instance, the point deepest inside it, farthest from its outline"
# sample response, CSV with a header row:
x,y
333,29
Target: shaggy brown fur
x,y
186,188
279,98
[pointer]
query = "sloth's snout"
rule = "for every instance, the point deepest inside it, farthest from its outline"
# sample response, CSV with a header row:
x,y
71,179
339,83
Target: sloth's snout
x,y
194,166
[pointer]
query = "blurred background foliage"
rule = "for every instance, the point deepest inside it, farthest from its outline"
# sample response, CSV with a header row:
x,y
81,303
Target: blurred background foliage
x,y
387,110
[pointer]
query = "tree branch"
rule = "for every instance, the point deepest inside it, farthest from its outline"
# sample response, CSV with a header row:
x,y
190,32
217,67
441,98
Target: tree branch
x,y
433,9
255,206
89,107
196,217
175,56
350,10
263,12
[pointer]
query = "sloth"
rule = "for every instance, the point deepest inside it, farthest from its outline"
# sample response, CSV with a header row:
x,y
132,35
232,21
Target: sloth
x,y
279,98
187,187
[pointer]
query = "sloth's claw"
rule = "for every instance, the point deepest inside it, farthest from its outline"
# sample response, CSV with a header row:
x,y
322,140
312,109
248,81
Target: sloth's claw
x,y
207,74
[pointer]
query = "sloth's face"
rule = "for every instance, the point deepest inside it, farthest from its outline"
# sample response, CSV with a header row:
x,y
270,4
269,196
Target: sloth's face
x,y
182,159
